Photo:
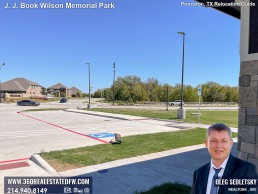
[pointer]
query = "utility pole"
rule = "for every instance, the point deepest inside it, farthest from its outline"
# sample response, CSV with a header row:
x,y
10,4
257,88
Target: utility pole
x,y
89,105
167,98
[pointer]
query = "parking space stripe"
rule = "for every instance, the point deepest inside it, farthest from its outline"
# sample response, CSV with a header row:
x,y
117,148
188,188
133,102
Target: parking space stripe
x,y
13,165
15,160
103,141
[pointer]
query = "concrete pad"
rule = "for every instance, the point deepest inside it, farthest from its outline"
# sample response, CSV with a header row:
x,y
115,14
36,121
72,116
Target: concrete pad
x,y
31,170
21,137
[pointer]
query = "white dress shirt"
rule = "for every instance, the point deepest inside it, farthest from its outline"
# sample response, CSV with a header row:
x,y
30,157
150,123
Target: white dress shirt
x,y
212,173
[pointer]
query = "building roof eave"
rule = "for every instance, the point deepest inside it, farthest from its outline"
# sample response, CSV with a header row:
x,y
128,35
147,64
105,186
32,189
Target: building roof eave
x,y
234,11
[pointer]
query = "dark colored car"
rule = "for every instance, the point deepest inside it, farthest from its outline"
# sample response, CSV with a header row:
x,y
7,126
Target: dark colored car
x,y
28,103
63,100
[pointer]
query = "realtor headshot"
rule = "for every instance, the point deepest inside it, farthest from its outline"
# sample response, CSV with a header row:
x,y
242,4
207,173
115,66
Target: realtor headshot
x,y
222,165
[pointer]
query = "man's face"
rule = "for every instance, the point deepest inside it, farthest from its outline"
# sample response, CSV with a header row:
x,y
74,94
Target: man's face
x,y
219,145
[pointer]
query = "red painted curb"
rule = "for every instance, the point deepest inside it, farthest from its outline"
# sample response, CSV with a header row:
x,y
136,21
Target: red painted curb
x,y
13,165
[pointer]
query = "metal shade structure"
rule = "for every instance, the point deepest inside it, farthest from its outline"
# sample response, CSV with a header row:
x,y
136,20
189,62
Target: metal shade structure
x,y
231,10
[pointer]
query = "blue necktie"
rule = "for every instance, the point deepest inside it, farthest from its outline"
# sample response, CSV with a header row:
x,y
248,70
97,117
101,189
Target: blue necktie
x,y
214,188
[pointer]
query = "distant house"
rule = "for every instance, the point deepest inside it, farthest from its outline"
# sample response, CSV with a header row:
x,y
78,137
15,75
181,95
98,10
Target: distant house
x,y
21,88
24,88
62,90
75,91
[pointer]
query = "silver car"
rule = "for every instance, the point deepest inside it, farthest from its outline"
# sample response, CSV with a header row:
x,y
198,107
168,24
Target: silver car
x,y
176,102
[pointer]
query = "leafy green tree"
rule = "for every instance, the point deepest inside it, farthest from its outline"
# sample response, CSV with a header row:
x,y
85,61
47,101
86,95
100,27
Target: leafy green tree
x,y
56,93
152,90
235,94
108,94
190,94
166,88
62,93
43,91
176,93
78,95
98,93
211,92
129,89
132,89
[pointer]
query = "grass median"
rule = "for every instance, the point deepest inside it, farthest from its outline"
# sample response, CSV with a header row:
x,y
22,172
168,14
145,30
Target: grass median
x,y
131,146
43,109
207,116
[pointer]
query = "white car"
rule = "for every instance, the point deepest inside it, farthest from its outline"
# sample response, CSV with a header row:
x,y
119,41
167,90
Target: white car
x,y
176,102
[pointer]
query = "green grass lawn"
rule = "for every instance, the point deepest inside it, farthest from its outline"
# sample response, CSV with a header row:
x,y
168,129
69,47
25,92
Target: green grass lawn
x,y
43,109
131,146
207,116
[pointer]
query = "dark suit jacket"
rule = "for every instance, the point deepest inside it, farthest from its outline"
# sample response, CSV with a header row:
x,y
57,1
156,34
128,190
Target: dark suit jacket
x,y
235,168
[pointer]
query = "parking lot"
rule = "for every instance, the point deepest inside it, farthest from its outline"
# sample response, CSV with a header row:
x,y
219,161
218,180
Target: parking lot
x,y
26,133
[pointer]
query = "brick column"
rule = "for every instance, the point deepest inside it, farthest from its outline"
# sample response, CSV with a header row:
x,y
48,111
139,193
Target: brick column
x,y
248,112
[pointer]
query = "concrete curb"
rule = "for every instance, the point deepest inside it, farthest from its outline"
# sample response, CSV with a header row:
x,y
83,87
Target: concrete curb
x,y
38,160
96,114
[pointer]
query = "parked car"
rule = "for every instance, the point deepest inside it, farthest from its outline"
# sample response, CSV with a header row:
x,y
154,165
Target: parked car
x,y
63,100
28,103
176,102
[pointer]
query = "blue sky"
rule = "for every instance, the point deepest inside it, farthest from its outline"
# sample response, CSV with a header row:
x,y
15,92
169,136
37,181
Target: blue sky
x,y
52,45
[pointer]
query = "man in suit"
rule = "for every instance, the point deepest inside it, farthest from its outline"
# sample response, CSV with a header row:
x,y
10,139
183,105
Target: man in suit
x,y
219,143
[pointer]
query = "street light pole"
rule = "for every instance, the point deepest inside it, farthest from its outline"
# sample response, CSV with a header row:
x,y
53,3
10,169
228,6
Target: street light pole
x,y
114,77
89,105
1,83
181,112
182,81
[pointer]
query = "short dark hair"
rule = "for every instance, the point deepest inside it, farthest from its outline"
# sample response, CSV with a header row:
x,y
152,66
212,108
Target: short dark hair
x,y
219,127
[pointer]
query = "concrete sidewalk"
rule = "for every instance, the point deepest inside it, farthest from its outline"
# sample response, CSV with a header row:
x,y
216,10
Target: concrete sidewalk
x,y
31,170
132,174
143,172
